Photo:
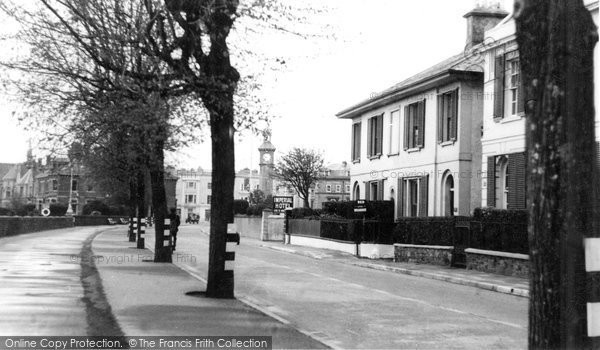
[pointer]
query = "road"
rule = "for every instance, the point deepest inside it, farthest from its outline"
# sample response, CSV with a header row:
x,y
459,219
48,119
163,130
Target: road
x,y
46,288
353,307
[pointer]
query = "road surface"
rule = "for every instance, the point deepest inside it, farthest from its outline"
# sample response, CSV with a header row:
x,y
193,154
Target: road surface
x,y
353,307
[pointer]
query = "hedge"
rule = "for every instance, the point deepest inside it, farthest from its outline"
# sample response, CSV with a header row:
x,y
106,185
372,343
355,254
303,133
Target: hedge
x,y
425,231
376,210
500,230
240,206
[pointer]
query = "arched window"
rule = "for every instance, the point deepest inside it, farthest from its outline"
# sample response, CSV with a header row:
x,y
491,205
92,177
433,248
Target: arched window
x,y
356,191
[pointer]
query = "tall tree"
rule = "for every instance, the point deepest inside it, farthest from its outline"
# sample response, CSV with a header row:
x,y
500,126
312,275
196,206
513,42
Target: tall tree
x,y
556,39
300,169
185,46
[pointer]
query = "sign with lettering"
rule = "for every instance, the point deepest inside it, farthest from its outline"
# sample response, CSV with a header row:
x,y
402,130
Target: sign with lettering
x,y
280,203
360,206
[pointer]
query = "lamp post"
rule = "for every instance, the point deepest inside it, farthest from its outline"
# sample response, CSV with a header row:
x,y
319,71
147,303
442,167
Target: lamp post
x,y
70,205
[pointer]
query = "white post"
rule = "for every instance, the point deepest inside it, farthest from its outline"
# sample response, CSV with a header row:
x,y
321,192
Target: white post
x,y
69,205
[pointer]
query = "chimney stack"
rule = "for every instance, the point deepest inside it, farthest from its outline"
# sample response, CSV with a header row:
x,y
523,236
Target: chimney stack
x,y
484,16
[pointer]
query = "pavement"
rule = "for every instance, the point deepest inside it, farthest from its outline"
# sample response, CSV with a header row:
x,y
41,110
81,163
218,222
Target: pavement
x,y
149,299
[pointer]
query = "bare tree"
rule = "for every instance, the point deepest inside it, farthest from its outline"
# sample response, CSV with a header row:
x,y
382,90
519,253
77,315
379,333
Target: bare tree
x,y
556,40
300,168
183,47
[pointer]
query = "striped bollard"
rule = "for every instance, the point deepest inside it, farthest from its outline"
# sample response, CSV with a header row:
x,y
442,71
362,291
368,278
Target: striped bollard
x,y
141,231
131,232
592,267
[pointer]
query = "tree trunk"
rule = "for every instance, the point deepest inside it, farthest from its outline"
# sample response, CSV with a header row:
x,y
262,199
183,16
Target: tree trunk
x,y
159,203
132,204
141,205
556,40
306,203
220,285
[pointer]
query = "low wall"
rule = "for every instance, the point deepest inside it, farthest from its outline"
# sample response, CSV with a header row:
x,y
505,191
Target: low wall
x,y
423,254
509,264
248,226
16,225
96,220
323,243
272,227
376,251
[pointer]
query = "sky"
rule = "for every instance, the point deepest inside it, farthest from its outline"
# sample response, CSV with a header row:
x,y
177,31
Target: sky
x,y
377,44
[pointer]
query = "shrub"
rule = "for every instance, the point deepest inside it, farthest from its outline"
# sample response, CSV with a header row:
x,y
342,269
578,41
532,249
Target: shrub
x,y
240,206
58,209
376,231
342,230
26,210
96,205
255,209
6,212
302,213
500,230
425,231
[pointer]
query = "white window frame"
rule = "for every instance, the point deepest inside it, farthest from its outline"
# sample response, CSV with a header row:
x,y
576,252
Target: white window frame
x,y
394,133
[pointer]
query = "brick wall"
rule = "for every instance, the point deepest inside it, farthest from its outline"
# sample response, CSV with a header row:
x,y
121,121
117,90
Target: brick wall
x,y
16,225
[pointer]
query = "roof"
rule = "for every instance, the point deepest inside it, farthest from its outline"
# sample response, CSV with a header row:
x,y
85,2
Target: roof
x,y
12,173
458,66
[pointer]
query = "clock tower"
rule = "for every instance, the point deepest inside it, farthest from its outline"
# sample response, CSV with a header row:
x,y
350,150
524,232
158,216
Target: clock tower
x,y
266,164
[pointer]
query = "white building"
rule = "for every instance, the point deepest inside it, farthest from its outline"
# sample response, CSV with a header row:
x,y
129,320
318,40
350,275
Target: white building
x,y
503,140
418,142
194,193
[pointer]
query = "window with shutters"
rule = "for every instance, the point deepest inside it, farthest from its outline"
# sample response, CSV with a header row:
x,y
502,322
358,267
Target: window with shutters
x,y
502,180
447,116
356,142
414,125
509,100
413,196
375,136
507,181
394,133
513,82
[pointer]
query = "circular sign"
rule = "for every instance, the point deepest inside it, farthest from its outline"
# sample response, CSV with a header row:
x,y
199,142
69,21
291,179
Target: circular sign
x,y
46,212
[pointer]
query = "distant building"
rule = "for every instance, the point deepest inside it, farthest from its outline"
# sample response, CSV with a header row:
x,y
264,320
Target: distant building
x,y
193,192
333,184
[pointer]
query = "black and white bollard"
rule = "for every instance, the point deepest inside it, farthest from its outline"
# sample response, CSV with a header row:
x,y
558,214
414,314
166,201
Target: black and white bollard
x,y
141,231
592,267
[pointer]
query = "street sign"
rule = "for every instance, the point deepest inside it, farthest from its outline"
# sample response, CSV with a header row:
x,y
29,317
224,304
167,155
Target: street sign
x,y
280,203
360,206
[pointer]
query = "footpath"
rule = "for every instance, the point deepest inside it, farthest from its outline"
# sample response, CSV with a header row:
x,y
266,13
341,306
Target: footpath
x,y
149,299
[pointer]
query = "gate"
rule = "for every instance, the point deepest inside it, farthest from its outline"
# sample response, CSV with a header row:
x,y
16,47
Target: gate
x,y
461,241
